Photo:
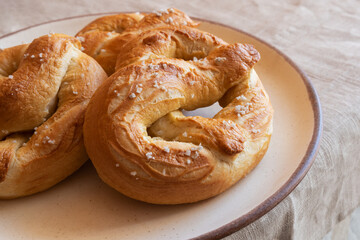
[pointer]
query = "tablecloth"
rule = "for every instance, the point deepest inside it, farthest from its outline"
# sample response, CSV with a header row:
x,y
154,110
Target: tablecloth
x,y
323,38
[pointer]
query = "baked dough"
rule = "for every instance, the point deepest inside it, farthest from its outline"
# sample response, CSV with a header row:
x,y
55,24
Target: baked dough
x,y
143,146
45,87
104,37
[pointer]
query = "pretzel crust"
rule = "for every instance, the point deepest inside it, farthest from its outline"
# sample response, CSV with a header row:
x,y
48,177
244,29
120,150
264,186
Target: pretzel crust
x,y
104,38
143,146
45,87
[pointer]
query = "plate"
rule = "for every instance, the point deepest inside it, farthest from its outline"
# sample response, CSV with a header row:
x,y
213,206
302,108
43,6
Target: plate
x,y
83,207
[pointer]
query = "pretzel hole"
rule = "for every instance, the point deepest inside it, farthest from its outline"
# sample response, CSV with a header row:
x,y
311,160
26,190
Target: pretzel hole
x,y
184,49
25,134
206,112
52,106
117,29
188,51
191,53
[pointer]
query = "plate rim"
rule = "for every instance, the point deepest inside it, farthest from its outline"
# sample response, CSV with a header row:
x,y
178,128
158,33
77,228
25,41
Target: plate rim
x,y
299,173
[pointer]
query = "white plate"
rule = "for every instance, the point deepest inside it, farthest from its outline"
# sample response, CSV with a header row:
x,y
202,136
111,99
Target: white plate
x,y
83,207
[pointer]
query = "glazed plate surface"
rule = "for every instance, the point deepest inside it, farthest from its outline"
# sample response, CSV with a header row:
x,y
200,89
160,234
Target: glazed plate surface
x,y
83,207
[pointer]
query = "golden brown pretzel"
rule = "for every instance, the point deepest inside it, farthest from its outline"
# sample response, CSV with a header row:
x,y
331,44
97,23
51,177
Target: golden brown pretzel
x,y
104,37
143,146
45,87
172,42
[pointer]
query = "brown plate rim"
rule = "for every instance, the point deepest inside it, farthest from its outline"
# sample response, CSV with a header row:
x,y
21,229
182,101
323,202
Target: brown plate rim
x,y
300,171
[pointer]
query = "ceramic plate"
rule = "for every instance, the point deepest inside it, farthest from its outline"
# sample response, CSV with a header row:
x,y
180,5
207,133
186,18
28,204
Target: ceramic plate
x,y
83,207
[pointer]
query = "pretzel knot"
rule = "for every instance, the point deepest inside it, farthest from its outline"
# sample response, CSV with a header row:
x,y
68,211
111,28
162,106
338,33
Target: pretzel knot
x,y
104,37
143,146
45,87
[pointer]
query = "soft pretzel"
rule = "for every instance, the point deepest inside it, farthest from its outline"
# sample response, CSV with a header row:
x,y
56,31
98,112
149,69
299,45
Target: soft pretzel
x,y
45,87
172,42
143,146
104,37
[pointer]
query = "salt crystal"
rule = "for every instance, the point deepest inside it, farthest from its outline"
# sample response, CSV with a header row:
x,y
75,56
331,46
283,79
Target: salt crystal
x,y
157,13
149,155
81,39
138,90
169,20
5,131
219,60
241,97
196,154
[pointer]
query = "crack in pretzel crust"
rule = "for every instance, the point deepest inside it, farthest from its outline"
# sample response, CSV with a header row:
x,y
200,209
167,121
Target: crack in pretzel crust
x,y
45,87
140,142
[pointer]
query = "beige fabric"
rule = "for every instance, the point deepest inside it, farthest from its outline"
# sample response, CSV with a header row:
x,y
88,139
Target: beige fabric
x,y
323,38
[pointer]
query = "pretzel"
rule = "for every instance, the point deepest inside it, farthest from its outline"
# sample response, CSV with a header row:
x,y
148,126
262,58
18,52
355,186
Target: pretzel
x,y
143,146
104,37
45,87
